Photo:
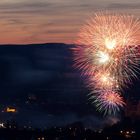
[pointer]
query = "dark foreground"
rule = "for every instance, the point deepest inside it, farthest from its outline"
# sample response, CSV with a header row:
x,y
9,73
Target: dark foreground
x,y
76,131
65,134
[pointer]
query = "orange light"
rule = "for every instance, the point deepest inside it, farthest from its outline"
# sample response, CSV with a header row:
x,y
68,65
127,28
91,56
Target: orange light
x,y
10,110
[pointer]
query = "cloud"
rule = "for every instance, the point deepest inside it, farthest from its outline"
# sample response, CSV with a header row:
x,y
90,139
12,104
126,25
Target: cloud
x,y
25,7
22,20
59,31
45,6
124,6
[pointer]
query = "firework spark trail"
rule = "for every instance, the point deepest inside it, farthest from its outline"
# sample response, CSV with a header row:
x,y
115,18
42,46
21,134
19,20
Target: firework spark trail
x,y
107,53
108,101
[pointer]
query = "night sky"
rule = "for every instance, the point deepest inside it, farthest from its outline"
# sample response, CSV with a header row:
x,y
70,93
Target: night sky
x,y
40,80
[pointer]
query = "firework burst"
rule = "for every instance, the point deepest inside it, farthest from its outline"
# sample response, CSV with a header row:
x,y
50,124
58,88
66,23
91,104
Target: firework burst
x,y
108,102
104,80
109,42
107,53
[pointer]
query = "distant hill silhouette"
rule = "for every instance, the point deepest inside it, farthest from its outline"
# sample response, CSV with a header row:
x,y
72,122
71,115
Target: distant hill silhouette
x,y
46,72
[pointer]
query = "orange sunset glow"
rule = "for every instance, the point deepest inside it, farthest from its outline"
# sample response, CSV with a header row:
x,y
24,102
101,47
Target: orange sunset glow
x,y
44,21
